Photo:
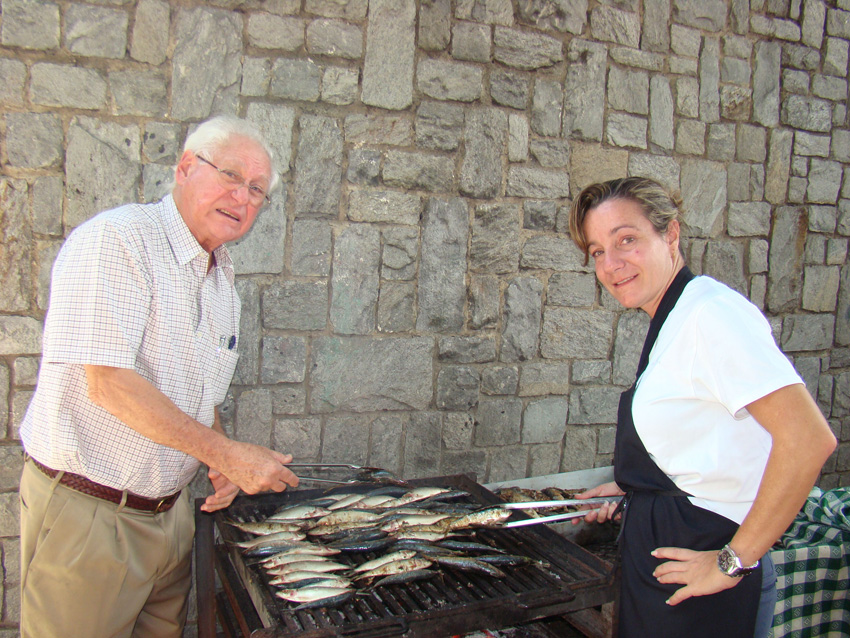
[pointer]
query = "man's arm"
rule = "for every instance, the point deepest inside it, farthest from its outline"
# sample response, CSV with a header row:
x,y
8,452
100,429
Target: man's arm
x,y
133,400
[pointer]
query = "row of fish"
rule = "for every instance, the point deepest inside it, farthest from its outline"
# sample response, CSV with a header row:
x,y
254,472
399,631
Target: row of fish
x,y
412,532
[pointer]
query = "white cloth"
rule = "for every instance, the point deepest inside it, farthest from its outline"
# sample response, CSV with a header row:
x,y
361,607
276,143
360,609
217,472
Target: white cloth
x,y
130,289
715,354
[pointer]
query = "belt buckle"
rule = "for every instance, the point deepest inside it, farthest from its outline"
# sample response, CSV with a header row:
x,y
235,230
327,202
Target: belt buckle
x,y
162,502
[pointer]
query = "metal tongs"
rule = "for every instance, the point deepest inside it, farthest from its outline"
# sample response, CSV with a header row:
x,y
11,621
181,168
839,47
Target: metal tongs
x,y
527,505
363,474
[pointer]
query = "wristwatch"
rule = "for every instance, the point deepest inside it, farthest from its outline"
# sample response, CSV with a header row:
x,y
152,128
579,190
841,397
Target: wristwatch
x,y
729,563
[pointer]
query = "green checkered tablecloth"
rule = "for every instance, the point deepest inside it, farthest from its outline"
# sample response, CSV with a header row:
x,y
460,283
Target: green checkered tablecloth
x,y
813,569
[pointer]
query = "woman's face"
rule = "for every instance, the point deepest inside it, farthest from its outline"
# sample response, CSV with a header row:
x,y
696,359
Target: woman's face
x,y
634,262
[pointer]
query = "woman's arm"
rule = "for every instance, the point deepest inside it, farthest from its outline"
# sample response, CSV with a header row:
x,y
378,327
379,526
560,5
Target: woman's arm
x,y
802,441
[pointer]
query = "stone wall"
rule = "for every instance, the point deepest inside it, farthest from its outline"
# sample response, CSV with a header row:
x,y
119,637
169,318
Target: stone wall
x,y
411,297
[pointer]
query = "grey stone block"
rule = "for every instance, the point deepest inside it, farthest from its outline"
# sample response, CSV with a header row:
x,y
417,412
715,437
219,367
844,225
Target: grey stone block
x,y
550,252
521,319
570,333
537,183
417,171
542,378
401,246
785,259
495,239
61,85
364,374
457,388
439,126
318,167
446,80
546,106
572,289
591,404
498,422
539,215
142,93
335,38
354,282
96,31
364,166
396,307
442,270
435,24
389,61
33,140
384,206
484,140
199,79
584,90
31,24
149,42
375,129
499,380
275,32
471,42
486,11
544,421
294,305
339,85
422,445
510,88
311,248
284,359
348,9
296,80
483,297
102,167
526,50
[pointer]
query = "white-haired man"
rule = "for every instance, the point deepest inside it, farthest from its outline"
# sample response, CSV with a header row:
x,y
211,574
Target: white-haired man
x,y
140,344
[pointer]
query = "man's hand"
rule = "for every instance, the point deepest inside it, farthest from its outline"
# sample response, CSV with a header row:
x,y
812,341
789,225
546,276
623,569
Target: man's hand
x,y
253,468
225,492
697,571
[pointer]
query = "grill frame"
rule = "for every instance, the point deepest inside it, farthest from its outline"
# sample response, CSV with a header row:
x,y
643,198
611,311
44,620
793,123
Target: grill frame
x,y
408,610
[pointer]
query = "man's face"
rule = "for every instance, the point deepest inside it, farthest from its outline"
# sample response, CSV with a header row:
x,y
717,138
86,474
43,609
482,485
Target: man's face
x,y
215,211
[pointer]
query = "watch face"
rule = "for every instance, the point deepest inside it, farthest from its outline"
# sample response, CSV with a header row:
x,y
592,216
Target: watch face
x,y
726,562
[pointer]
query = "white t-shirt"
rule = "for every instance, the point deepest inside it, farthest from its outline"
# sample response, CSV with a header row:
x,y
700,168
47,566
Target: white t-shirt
x,y
715,354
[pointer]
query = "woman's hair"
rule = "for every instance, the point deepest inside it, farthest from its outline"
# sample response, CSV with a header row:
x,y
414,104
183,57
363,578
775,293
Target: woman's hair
x,y
212,135
657,203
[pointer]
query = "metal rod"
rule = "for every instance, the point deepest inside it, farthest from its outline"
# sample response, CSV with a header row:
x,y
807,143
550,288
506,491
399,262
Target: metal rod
x,y
547,519
530,505
331,465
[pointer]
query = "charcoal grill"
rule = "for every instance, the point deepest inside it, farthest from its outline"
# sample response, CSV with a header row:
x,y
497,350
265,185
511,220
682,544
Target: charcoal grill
x,y
452,603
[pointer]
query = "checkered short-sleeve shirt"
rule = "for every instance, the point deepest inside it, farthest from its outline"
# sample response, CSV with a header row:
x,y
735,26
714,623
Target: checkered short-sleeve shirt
x,y
130,289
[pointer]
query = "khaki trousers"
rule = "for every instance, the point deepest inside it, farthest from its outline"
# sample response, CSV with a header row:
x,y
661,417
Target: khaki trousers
x,y
94,569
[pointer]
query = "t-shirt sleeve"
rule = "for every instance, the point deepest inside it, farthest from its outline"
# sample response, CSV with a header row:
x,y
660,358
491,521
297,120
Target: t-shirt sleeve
x,y
99,301
739,361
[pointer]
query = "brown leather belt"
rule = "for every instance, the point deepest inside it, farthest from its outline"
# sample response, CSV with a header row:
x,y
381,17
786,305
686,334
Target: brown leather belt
x,y
84,485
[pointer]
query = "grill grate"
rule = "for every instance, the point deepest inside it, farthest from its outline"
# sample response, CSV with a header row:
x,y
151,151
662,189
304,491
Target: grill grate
x,y
452,602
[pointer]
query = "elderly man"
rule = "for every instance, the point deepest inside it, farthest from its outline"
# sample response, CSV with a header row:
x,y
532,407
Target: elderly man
x,y
140,343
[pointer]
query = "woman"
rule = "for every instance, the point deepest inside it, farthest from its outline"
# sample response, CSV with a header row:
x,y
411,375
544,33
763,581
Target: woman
x,y
718,441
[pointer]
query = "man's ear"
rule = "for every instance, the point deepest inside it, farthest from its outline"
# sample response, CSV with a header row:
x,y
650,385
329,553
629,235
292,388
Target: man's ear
x,y
184,167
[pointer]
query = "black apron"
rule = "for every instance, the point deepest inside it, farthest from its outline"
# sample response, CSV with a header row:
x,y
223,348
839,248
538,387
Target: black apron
x,y
658,514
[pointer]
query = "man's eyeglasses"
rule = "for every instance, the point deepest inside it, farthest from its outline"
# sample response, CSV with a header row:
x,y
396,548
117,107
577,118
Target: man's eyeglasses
x,y
234,180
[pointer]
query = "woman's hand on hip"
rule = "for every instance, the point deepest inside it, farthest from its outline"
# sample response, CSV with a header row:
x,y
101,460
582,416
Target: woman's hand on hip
x,y
697,571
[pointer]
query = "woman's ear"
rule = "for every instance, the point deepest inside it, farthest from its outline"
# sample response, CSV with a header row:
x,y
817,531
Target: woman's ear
x,y
672,236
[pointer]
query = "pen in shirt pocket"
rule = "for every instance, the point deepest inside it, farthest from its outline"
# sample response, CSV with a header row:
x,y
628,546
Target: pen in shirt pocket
x,y
224,341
